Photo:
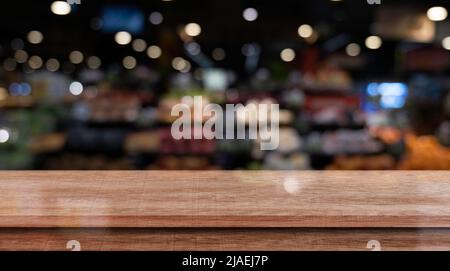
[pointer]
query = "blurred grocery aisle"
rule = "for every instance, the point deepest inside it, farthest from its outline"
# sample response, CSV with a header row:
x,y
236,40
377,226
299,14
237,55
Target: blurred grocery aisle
x,y
91,85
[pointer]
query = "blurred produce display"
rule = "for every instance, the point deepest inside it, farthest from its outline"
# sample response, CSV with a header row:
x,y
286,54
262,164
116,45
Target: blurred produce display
x,y
93,87
425,153
377,162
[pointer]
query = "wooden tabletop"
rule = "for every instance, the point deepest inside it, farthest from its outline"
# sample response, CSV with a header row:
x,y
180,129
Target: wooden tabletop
x,y
219,199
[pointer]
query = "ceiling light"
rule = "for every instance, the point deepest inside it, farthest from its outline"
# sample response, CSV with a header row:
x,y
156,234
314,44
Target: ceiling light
x,y
353,49
129,62
187,67
287,55
123,38
250,14
21,56
305,31
446,43
193,48
76,88
156,18
193,29
437,14
4,135
154,51
35,37
76,57
60,8
94,62
218,54
179,63
139,45
373,42
35,62
52,65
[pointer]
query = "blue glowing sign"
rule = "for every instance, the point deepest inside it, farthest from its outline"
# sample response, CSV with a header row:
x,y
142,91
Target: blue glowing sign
x,y
392,95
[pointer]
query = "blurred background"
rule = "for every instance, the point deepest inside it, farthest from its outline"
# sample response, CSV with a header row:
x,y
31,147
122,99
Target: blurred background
x,y
89,85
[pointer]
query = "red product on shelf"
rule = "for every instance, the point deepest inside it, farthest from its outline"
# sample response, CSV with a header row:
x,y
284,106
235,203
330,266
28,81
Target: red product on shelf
x,y
169,145
317,103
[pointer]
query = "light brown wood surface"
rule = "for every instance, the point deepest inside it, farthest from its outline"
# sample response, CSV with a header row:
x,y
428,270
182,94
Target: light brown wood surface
x,y
255,239
232,199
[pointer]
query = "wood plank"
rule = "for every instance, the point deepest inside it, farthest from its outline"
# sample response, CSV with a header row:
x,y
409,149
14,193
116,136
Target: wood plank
x,y
225,239
219,199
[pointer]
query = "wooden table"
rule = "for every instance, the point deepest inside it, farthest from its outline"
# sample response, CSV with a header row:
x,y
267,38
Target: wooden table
x,y
218,210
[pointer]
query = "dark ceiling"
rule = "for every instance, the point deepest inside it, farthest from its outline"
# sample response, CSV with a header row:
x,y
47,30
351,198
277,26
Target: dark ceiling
x,y
221,21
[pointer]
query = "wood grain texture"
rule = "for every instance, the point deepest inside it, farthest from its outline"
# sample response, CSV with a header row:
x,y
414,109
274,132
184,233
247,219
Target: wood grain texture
x,y
218,199
225,239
